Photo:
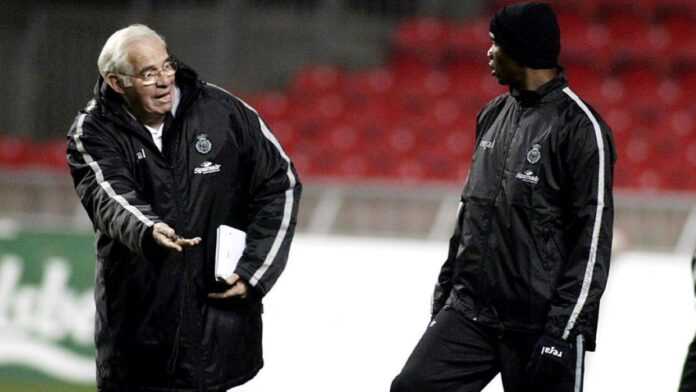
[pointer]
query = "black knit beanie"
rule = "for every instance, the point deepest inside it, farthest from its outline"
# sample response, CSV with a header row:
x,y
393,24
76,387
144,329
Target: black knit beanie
x,y
529,34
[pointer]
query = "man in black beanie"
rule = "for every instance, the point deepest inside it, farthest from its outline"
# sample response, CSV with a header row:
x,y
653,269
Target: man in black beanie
x,y
528,262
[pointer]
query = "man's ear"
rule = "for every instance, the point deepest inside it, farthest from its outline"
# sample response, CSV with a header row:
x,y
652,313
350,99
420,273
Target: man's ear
x,y
115,83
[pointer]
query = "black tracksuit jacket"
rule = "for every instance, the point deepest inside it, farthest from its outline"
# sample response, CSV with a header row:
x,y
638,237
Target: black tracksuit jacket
x,y
155,327
532,243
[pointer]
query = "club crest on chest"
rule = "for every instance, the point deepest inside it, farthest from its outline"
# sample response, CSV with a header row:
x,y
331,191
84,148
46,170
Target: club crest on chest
x,y
534,154
203,145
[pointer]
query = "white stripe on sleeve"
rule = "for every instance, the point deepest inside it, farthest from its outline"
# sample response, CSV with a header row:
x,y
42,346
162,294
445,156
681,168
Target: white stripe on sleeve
x,y
592,258
289,196
100,176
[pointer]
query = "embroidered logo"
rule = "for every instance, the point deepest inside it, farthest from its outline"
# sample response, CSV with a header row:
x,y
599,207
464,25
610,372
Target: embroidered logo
x,y
551,351
528,176
203,144
534,155
141,154
487,144
207,167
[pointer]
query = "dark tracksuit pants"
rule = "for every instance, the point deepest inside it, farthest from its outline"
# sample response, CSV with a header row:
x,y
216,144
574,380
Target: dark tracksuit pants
x,y
457,354
688,378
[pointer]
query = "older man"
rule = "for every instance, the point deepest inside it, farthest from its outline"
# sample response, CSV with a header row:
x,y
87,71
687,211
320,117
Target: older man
x,y
528,262
160,160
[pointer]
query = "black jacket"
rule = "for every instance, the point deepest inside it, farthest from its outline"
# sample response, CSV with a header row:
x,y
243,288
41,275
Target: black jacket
x,y
155,327
532,243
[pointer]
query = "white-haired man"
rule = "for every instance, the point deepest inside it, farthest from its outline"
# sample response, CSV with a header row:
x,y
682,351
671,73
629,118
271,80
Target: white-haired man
x,y
160,160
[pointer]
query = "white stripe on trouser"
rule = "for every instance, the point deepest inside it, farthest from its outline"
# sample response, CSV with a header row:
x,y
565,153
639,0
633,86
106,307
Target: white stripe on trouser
x,y
592,257
580,352
289,194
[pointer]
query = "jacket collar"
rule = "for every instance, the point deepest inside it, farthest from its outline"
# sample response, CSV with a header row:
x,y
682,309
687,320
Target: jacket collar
x,y
547,92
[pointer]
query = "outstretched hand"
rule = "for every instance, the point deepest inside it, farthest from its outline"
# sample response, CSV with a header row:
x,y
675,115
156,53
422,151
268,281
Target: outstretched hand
x,y
166,237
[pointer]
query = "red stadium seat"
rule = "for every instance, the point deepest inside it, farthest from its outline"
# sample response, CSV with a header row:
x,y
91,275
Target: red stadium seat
x,y
675,7
642,88
51,155
680,48
470,39
687,81
421,40
15,152
286,133
679,125
271,105
428,84
473,79
318,80
633,38
582,39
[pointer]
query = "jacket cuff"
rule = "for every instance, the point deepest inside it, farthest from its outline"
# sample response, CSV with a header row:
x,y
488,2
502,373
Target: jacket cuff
x,y
556,329
244,274
150,250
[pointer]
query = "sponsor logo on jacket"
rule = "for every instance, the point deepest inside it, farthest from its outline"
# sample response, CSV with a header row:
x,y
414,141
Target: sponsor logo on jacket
x,y
528,176
551,350
487,144
207,167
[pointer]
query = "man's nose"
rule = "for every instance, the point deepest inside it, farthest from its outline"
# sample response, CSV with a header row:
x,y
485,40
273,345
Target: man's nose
x,y
163,81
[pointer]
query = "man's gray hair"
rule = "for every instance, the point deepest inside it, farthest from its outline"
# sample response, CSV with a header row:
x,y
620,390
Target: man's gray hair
x,y
114,55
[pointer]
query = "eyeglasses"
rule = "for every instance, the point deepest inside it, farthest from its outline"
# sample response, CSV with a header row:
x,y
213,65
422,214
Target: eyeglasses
x,y
150,76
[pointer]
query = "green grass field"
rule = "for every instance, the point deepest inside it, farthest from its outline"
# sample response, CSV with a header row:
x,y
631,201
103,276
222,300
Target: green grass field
x,y
41,387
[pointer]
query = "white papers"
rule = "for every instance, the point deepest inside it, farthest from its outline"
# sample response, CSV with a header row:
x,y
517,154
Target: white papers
x,y
229,248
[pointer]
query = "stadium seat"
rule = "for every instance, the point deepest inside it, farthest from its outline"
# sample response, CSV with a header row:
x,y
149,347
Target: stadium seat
x,y
640,87
271,105
687,81
678,50
316,80
586,81
632,38
420,40
15,152
51,155
469,39
582,39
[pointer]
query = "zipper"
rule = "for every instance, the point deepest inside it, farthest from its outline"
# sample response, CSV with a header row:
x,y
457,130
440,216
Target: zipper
x,y
487,223
166,146
508,145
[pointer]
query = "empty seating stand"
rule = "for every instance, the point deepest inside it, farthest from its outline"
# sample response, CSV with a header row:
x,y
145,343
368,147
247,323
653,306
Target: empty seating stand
x,y
413,118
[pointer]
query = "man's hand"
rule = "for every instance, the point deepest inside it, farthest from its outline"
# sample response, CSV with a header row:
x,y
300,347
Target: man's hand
x,y
552,362
237,288
166,237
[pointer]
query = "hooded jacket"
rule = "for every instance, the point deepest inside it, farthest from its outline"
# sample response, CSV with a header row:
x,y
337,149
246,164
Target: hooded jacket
x,y
155,327
532,243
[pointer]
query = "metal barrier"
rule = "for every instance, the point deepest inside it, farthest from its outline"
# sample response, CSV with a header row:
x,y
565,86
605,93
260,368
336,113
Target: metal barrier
x,y
646,221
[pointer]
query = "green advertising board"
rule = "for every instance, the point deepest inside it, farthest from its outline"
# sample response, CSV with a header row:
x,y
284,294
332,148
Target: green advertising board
x,y
46,312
